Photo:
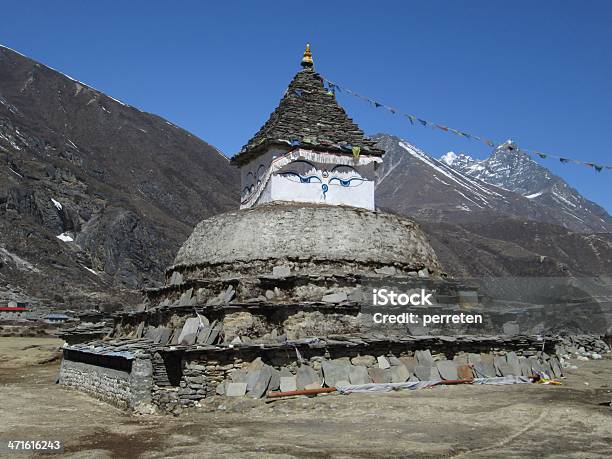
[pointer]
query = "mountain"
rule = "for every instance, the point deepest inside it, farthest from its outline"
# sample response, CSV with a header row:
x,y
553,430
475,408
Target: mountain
x,y
413,183
511,169
96,196
481,230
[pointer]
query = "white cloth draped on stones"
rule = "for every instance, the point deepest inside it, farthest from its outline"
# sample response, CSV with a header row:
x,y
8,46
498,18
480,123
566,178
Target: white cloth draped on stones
x,y
414,385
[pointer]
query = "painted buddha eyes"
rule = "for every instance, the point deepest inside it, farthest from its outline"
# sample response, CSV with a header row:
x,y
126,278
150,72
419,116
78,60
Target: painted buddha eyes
x,y
306,172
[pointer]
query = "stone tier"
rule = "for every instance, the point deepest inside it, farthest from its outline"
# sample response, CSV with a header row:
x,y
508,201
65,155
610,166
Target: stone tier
x,y
303,239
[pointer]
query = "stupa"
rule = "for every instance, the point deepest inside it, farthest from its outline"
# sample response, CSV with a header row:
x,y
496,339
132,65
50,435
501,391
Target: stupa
x,y
269,297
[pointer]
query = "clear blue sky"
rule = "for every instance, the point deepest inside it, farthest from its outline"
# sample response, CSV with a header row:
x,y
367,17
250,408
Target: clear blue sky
x,y
536,72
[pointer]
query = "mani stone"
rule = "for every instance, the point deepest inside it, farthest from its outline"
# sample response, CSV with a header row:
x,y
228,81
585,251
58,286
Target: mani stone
x,y
379,376
383,363
139,329
399,373
186,298
447,369
409,362
164,336
525,367
513,364
176,278
386,270
203,334
335,298
281,271
214,333
285,372
556,367
239,376
307,377
423,372
288,383
261,382
484,370
256,364
365,360
189,332
220,390
274,379
236,389
358,375
465,372
335,371
424,357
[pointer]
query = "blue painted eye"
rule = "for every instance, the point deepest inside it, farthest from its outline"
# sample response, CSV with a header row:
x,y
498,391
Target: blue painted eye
x,y
356,181
310,179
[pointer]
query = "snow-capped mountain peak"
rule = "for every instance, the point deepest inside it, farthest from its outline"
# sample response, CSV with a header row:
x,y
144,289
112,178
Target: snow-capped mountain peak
x,y
512,169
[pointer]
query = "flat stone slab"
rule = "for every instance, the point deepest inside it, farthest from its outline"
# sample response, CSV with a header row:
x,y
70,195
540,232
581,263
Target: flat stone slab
x,y
288,383
359,375
465,372
424,357
556,367
274,379
281,271
236,389
525,366
203,334
306,376
379,376
190,329
139,330
214,334
252,377
399,373
285,372
383,363
335,298
262,382
334,371
365,360
220,389
423,372
448,369
484,370
164,336
239,376
409,362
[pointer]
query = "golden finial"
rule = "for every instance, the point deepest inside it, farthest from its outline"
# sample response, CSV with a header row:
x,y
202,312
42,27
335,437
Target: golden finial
x,y
307,59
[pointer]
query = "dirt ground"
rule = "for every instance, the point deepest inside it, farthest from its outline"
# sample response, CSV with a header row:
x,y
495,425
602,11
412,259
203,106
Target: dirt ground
x,y
459,421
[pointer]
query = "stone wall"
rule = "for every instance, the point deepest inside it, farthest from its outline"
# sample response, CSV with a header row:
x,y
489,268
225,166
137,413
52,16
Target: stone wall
x,y
115,380
253,372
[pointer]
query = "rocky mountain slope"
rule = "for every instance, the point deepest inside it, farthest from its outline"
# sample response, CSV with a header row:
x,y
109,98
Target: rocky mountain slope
x,y
95,196
511,169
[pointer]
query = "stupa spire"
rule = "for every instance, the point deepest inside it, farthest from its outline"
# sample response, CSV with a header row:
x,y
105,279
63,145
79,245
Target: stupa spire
x,y
307,58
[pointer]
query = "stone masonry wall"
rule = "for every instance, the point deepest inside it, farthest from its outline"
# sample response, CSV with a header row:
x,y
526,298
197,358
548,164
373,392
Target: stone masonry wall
x,y
122,387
